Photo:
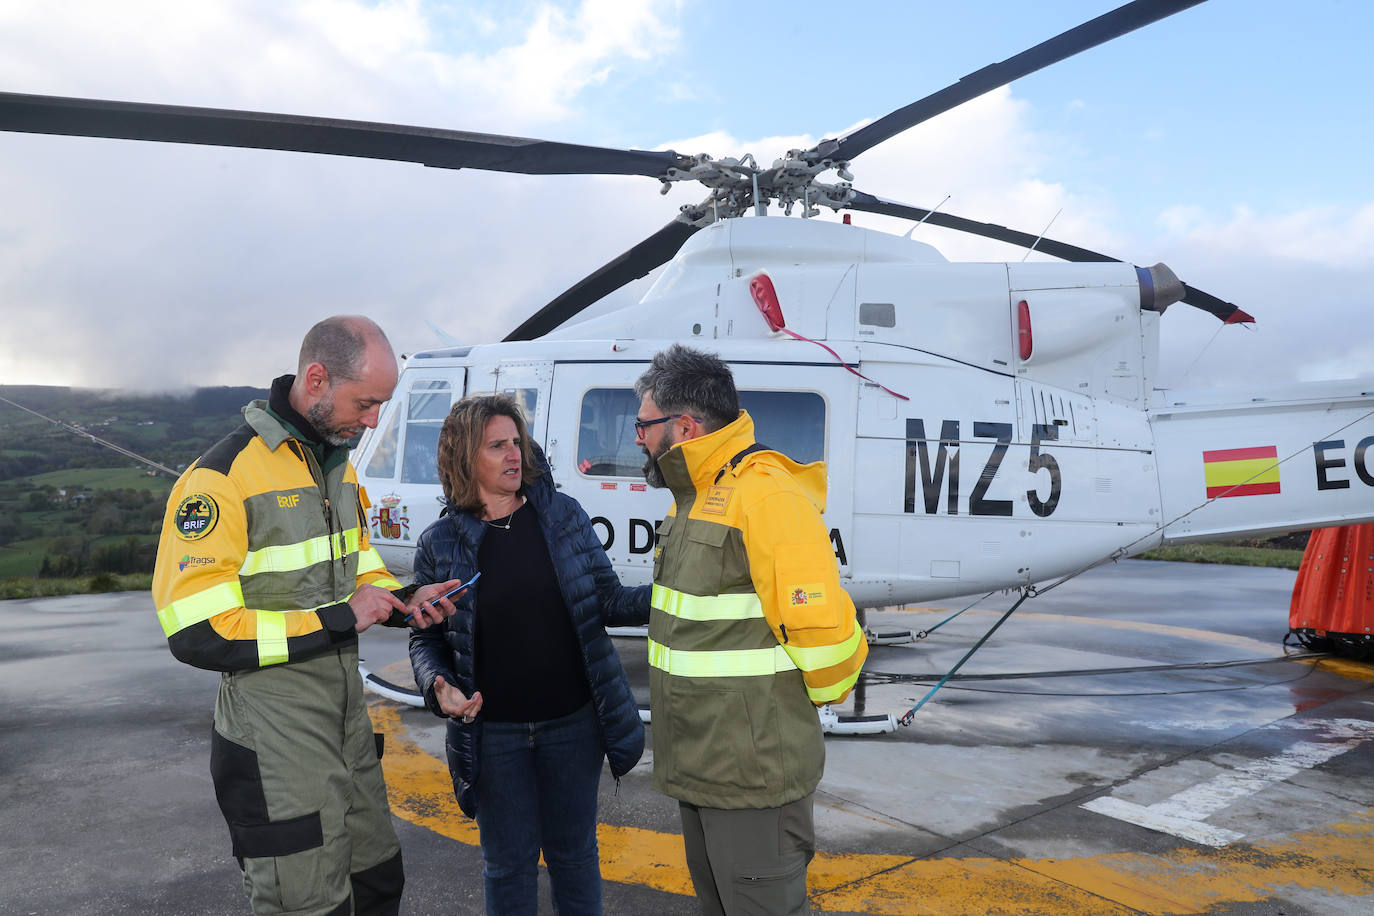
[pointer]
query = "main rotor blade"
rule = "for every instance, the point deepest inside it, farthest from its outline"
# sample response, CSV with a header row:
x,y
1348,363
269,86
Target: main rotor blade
x,y
1226,312
448,149
657,249
1104,28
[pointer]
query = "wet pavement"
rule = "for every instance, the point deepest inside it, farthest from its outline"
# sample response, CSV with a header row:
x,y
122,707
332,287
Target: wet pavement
x,y
1134,741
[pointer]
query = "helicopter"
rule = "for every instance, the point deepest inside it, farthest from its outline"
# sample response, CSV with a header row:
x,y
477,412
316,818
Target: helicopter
x,y
984,425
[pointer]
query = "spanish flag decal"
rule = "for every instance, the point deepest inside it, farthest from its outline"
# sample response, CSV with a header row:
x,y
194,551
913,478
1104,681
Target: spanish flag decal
x,y
1241,471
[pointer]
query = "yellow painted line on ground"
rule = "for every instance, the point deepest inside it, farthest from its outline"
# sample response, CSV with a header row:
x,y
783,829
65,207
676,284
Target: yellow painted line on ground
x,y
420,791
1358,671
1336,859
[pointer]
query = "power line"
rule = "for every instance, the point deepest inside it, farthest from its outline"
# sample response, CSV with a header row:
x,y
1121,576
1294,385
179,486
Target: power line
x,y
77,431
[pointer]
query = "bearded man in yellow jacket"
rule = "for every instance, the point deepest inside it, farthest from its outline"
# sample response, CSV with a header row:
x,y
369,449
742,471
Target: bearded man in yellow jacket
x,y
750,631
265,573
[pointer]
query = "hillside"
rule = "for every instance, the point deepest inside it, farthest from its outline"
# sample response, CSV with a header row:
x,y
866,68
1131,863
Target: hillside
x,y
69,506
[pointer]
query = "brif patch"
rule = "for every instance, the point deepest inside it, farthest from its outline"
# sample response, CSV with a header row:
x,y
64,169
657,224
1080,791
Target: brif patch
x,y
813,593
717,498
195,517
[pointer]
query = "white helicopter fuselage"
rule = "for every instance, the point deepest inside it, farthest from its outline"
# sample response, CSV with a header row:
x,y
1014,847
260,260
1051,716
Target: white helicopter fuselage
x,y
1028,441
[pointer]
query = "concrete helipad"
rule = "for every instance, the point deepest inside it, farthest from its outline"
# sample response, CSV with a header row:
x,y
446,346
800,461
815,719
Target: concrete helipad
x,y
1132,742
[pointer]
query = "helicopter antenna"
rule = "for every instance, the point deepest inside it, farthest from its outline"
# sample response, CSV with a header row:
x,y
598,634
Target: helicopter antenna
x,y
1042,234
1209,342
912,231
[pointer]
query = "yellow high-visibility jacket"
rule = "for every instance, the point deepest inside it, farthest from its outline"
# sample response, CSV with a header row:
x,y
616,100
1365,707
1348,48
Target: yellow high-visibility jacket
x,y
750,629
260,551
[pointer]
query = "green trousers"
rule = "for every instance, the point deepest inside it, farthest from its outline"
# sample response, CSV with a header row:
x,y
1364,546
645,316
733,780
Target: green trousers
x,y
298,776
750,861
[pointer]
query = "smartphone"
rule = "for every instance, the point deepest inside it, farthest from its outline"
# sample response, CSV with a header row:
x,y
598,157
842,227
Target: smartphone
x,y
458,589
449,594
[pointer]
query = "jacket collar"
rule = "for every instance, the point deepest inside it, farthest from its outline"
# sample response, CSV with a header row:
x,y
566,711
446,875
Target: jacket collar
x,y
690,467
275,420
693,466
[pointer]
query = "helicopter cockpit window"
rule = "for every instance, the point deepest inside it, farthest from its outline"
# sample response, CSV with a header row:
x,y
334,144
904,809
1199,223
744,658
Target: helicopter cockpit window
x,y
383,461
429,404
793,422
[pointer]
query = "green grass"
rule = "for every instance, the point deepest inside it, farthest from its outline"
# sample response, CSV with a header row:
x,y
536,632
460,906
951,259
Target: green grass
x,y
100,479
1227,553
84,585
23,558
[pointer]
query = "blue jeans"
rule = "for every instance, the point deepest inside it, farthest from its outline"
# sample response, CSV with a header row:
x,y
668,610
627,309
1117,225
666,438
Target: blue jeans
x,y
536,789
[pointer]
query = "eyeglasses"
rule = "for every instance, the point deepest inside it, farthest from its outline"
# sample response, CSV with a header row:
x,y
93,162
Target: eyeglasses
x,y
641,425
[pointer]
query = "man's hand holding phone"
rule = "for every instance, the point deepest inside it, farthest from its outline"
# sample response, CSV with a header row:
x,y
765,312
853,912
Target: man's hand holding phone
x,y
433,603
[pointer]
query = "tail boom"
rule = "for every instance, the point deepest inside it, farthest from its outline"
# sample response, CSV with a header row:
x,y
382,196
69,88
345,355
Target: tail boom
x,y
1238,464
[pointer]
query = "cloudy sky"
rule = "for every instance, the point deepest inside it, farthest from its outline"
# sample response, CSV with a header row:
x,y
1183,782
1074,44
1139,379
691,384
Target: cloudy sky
x,y
1231,141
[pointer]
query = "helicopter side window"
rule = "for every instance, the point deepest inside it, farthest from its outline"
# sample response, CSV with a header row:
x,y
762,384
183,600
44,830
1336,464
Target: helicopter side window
x,y
793,422
383,461
605,436
527,398
429,404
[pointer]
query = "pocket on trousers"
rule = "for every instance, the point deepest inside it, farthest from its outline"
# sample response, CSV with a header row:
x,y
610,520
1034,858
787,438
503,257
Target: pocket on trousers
x,y
776,891
303,880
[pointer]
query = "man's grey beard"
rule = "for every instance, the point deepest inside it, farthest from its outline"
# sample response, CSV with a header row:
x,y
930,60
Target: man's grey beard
x,y
653,474
321,416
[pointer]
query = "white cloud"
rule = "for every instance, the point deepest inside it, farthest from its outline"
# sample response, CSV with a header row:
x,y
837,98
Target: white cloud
x,y
1305,275
151,265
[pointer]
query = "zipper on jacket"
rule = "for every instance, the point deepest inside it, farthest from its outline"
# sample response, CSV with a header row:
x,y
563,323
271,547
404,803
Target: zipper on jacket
x,y
318,476
329,523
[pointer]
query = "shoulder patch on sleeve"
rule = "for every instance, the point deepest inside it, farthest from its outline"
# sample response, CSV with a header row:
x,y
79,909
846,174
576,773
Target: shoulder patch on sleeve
x,y
195,516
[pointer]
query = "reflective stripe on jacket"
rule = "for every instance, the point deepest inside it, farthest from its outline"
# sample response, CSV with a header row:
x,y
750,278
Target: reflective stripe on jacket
x,y
750,628
260,552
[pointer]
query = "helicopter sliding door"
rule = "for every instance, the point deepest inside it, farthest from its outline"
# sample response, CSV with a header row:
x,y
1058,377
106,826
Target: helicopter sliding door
x,y
599,462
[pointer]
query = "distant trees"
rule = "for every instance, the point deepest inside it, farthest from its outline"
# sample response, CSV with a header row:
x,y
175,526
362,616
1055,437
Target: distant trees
x,y
30,445
135,513
94,531
70,556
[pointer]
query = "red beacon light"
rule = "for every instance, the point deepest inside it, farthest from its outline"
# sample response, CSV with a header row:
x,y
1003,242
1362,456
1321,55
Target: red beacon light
x,y
766,298
1025,341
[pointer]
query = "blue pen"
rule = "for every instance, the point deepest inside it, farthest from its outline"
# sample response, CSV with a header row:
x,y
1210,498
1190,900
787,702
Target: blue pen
x,y
450,593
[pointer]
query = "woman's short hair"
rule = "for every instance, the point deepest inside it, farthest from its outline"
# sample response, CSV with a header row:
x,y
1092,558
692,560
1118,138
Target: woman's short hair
x,y
463,434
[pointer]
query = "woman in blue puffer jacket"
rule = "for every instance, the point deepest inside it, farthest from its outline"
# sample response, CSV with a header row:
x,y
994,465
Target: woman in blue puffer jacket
x,y
533,689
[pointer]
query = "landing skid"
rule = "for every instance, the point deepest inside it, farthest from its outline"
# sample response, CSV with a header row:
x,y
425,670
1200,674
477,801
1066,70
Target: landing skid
x,y
888,637
407,695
